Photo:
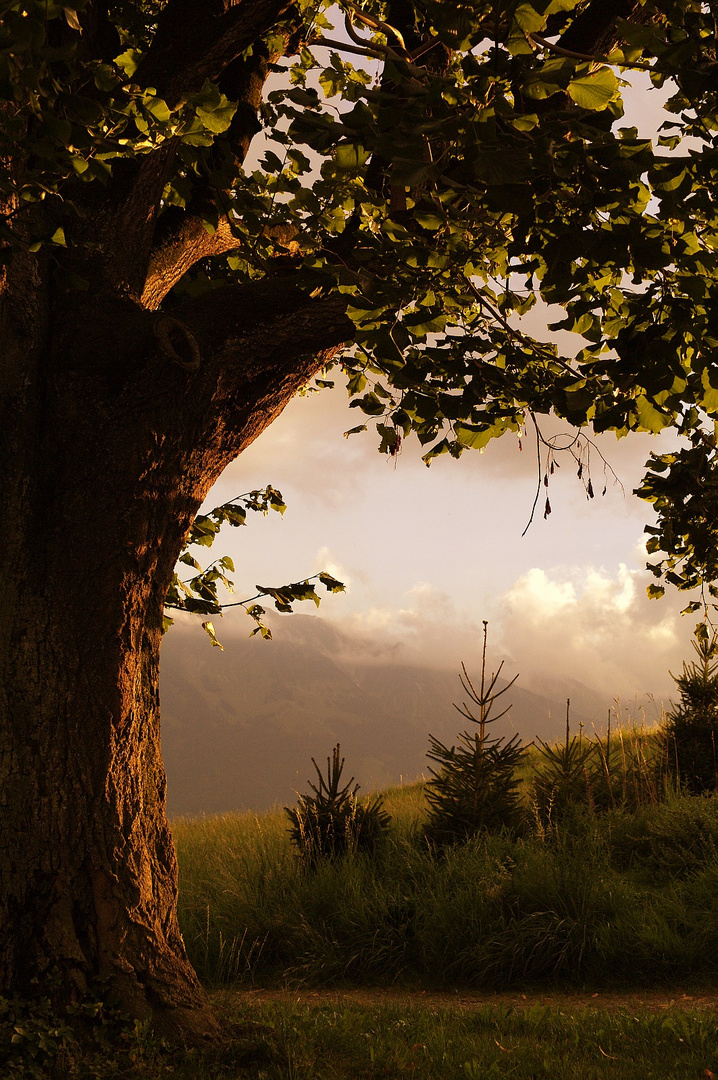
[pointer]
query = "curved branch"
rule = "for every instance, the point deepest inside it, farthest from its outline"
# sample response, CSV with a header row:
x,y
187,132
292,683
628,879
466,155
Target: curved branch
x,y
377,24
185,244
550,46
178,251
274,321
197,39
344,46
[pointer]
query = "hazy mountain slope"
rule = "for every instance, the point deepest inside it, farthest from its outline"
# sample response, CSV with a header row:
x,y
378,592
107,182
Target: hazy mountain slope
x,y
240,727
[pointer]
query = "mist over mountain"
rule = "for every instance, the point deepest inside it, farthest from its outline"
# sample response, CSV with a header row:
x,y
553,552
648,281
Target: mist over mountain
x,y
239,728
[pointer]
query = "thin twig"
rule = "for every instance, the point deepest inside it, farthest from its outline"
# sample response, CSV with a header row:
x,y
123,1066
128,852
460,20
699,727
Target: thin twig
x,y
560,51
515,335
538,485
344,46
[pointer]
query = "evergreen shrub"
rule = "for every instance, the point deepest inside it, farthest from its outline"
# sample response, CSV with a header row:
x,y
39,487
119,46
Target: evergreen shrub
x,y
691,730
476,787
332,822
563,776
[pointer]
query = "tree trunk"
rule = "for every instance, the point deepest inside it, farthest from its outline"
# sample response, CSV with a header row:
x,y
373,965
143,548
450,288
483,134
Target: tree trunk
x,y
102,476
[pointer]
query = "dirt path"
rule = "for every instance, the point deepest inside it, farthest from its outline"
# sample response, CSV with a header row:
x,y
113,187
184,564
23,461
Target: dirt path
x,y
629,1001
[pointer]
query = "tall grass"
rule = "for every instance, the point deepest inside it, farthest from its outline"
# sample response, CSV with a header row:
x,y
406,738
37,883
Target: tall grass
x,y
626,896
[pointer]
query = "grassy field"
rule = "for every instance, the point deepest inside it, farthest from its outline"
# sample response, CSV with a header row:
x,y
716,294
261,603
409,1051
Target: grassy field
x,y
628,896
345,1041
340,1041
604,896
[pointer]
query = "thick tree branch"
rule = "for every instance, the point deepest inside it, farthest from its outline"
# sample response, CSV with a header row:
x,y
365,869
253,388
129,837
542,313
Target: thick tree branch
x,y
197,39
226,364
177,252
182,241
181,238
266,320
187,241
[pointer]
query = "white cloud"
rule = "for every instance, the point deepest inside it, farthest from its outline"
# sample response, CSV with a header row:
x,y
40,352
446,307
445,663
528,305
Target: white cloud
x,y
596,627
536,598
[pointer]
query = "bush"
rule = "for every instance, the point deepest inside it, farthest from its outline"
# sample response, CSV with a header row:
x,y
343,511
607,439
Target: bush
x,y
332,822
671,841
692,727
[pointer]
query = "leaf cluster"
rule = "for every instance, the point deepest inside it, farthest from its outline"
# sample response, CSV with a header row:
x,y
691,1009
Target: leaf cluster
x,y
199,594
683,488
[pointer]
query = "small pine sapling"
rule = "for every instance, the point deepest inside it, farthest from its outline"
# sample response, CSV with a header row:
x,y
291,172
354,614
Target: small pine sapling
x,y
332,822
475,788
691,730
563,775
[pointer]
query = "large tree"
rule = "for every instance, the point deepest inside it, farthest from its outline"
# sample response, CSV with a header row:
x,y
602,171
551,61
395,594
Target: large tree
x,y
431,170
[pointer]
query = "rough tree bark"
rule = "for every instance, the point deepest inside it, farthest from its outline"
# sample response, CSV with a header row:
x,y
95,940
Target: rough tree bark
x,y
115,423
104,468
116,419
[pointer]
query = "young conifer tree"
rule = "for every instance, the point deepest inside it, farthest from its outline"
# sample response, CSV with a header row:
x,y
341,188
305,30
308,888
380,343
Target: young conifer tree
x,y
691,730
332,822
563,774
475,788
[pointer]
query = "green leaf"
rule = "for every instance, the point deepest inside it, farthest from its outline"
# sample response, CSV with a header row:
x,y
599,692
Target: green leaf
x,y
476,438
709,397
129,61
429,219
218,120
331,583
72,19
655,592
158,108
213,110
649,418
529,19
539,86
419,325
350,156
209,630
595,91
331,81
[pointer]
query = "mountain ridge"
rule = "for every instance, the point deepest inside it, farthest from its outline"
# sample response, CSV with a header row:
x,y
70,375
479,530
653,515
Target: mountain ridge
x,y
239,729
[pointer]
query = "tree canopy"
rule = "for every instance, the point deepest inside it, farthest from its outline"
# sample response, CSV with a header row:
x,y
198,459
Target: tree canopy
x,y
435,169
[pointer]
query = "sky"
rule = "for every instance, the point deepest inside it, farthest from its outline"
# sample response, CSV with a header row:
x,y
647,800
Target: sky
x,y
427,554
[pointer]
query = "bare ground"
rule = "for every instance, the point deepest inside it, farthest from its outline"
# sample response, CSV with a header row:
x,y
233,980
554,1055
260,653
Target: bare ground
x,y
628,1001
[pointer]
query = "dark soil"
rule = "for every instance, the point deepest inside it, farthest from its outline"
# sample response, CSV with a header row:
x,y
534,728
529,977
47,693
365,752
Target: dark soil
x,y
627,1001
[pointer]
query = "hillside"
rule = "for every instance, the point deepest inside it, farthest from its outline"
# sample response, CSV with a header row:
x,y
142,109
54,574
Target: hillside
x,y
240,727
